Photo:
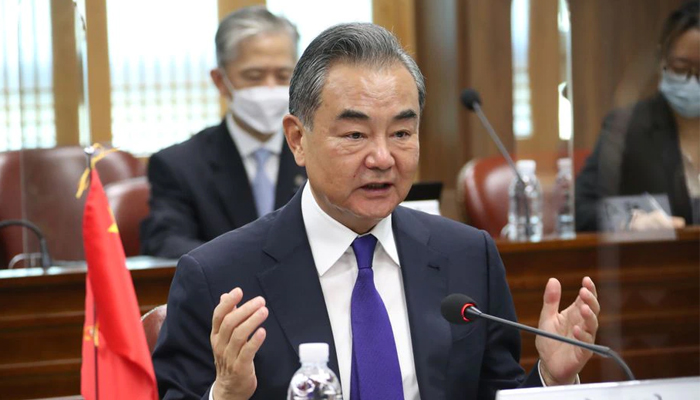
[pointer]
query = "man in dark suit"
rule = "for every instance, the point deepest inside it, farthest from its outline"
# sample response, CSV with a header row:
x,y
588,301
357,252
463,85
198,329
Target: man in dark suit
x,y
342,263
228,175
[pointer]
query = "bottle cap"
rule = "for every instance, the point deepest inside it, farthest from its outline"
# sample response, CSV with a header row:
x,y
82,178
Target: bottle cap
x,y
564,163
526,167
313,352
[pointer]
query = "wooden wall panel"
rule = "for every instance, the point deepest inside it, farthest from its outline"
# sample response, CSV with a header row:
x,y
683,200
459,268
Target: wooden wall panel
x,y
440,135
99,78
66,76
228,6
487,66
399,17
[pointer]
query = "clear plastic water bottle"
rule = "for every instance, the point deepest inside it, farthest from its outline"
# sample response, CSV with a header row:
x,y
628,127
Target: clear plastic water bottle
x,y
562,192
314,380
525,211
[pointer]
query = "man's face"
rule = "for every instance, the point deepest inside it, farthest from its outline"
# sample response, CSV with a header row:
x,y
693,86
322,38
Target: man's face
x,y
262,60
362,154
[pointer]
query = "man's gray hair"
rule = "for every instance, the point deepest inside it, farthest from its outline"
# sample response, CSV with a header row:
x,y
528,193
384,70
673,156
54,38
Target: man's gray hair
x,y
246,23
354,43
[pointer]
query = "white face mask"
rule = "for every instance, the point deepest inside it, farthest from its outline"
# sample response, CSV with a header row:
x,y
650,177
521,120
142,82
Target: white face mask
x,y
260,107
682,94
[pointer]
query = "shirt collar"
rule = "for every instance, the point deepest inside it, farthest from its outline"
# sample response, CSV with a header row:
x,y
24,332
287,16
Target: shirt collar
x,y
329,239
247,145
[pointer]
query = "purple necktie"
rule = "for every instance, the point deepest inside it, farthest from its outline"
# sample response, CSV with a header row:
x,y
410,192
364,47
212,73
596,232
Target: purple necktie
x,y
375,373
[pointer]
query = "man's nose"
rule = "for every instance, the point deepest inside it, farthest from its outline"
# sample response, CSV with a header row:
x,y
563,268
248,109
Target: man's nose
x,y
380,156
270,80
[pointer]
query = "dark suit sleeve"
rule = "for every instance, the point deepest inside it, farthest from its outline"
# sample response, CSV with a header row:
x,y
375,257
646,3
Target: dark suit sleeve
x,y
183,359
171,228
501,368
600,176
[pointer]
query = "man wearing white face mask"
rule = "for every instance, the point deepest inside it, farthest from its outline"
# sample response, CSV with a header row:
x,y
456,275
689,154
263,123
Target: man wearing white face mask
x,y
654,146
230,174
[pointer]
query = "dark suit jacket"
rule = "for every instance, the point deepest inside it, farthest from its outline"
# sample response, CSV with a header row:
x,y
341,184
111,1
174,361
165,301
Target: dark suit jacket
x,y
637,152
200,190
272,258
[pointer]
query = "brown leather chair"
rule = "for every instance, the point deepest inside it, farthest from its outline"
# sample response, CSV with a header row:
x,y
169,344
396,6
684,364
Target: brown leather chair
x,y
152,322
129,202
39,185
483,184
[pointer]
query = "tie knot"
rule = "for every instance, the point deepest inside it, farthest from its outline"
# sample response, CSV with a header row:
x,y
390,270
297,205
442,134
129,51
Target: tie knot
x,y
261,155
363,246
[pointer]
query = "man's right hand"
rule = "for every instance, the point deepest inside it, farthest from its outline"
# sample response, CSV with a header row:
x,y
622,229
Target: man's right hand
x,y
233,346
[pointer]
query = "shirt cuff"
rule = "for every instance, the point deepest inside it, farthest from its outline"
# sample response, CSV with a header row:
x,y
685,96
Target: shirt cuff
x,y
211,390
539,371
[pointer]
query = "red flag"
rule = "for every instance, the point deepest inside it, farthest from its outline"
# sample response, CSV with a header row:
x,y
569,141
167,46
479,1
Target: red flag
x,y
116,360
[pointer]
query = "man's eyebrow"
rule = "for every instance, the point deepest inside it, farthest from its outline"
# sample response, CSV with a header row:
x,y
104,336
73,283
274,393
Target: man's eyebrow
x,y
352,114
358,115
406,114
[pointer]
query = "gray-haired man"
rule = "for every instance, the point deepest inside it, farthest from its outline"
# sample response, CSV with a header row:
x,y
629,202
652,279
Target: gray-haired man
x,y
342,263
228,175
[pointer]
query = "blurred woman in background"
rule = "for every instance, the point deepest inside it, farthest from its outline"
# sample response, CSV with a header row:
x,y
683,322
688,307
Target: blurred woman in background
x,y
653,146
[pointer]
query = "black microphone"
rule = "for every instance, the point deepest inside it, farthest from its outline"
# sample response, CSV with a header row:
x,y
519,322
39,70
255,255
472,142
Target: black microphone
x,y
461,309
45,257
470,98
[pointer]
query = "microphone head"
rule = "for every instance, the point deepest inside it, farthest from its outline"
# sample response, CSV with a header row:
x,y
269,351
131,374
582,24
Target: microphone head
x,y
453,305
470,97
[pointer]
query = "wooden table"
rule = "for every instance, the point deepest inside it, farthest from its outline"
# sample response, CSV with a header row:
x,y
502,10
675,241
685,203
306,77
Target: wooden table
x,y
649,289
41,323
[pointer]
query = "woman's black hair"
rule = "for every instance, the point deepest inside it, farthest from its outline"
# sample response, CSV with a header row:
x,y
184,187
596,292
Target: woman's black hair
x,y
680,21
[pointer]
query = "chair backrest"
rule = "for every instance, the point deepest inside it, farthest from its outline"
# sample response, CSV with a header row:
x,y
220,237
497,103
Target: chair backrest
x,y
39,185
129,202
152,322
483,187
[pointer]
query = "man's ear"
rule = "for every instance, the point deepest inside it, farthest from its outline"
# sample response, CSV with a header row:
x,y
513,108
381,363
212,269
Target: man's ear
x,y
218,78
294,132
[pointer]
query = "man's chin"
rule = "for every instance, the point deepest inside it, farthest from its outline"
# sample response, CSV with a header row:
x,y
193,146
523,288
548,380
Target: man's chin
x,y
375,214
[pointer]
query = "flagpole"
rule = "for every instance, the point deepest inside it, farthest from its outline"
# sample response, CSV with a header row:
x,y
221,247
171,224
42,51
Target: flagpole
x,y
89,152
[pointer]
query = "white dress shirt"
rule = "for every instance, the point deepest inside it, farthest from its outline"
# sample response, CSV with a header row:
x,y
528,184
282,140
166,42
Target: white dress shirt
x,y
247,145
337,270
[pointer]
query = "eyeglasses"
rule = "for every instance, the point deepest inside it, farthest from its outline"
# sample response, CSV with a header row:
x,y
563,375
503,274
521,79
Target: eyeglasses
x,y
683,71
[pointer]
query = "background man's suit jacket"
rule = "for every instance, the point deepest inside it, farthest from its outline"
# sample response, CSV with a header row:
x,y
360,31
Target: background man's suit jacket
x,y
200,190
637,151
272,258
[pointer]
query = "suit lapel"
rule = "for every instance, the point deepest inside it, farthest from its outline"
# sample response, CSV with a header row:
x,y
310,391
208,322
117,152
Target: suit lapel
x,y
231,179
425,284
289,178
292,287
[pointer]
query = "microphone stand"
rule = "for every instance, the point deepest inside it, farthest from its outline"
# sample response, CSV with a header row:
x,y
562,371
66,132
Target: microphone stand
x,y
520,201
604,351
45,257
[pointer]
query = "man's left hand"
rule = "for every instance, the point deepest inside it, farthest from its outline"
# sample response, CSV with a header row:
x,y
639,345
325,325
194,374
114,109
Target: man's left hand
x,y
561,362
